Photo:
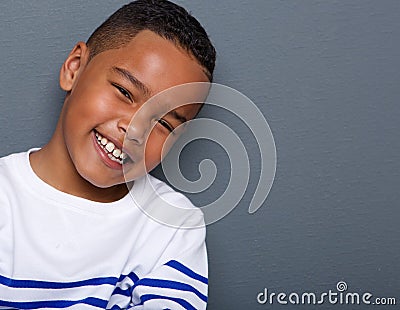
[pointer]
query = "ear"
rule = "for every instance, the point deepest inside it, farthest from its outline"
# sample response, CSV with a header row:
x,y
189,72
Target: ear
x,y
73,65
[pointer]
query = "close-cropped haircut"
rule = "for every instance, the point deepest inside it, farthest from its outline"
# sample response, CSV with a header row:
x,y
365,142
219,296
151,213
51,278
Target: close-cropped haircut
x,y
164,18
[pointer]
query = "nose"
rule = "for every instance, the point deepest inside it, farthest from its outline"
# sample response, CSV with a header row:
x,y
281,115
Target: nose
x,y
136,132
136,129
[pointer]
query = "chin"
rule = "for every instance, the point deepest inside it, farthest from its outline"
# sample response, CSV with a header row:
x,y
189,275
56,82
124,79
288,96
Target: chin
x,y
134,172
101,181
105,183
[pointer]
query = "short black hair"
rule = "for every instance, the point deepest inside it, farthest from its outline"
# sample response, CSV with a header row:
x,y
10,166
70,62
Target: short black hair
x,y
163,17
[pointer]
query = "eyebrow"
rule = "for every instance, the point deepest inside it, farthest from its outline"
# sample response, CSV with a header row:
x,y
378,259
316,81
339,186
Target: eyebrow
x,y
128,76
177,116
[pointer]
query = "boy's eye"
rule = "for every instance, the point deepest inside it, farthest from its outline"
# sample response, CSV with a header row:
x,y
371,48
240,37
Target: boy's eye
x,y
123,91
164,123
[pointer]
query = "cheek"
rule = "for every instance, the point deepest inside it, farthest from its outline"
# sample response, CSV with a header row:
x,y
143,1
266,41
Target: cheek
x,y
153,150
95,104
87,110
93,95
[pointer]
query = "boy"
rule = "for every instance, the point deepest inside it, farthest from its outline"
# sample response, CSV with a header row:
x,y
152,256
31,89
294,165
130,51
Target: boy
x,y
70,234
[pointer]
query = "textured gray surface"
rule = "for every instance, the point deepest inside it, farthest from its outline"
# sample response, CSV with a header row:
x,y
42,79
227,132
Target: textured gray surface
x,y
325,74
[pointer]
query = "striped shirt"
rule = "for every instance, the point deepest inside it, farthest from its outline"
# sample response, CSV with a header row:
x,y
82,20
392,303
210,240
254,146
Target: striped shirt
x,y
62,251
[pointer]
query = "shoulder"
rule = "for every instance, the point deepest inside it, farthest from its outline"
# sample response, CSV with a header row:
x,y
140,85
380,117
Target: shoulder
x,y
163,190
9,181
6,161
14,172
165,205
8,167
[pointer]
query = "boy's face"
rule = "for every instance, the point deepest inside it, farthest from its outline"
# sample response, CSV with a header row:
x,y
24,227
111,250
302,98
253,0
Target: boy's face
x,y
104,94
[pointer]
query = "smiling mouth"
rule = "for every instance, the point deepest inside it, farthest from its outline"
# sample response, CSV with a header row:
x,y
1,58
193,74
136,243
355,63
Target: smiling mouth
x,y
114,153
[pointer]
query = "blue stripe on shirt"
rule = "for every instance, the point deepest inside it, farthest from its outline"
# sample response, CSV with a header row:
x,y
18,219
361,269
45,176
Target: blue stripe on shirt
x,y
99,303
128,291
171,285
131,276
123,292
56,285
180,301
187,271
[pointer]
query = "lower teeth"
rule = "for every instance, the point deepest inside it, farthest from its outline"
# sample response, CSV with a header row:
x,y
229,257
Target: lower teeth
x,y
114,159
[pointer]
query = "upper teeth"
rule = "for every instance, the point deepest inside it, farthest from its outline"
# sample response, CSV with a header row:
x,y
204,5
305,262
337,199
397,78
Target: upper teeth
x,y
110,146
114,153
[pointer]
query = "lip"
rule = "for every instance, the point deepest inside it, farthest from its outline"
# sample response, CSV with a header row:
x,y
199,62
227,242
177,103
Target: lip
x,y
103,155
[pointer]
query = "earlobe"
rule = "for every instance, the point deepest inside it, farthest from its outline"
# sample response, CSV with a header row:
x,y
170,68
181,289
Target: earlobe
x,y
72,66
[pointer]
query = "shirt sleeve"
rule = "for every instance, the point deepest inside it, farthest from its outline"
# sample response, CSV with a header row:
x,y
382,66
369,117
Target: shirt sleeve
x,y
180,281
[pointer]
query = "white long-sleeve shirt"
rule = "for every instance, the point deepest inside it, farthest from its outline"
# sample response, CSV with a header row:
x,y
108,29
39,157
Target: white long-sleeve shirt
x,y
62,251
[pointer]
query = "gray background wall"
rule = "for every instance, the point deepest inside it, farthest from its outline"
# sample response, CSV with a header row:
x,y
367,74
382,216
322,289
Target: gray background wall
x,y
326,76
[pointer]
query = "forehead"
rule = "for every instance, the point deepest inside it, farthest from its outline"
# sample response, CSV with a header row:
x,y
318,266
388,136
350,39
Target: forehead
x,y
150,65
156,62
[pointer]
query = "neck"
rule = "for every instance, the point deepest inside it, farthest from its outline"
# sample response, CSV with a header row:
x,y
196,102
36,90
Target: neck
x,y
53,165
